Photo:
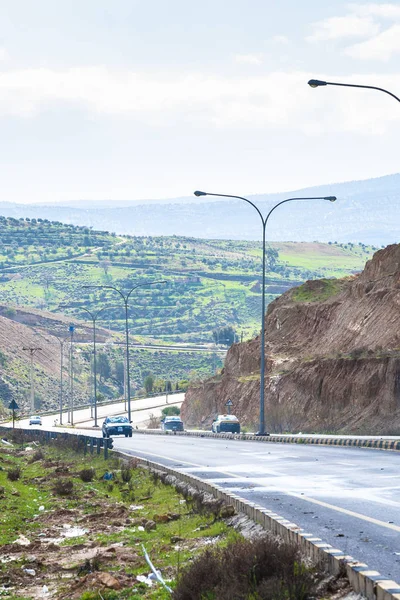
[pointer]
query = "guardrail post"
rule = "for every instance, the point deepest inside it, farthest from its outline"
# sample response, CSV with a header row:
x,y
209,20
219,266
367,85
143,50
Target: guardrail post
x,y
98,444
91,445
85,445
105,449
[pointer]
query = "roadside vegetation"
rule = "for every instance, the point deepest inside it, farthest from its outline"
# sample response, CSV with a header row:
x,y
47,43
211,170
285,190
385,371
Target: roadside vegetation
x,y
75,528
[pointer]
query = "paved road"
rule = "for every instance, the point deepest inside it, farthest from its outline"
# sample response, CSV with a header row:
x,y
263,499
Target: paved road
x,y
141,411
349,497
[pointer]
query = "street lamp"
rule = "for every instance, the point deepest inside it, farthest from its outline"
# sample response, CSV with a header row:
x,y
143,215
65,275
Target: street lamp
x,y
61,342
264,221
314,83
94,316
71,375
32,350
125,298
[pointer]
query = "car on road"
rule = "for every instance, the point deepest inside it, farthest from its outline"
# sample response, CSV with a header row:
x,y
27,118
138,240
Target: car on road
x,y
225,424
35,420
116,426
172,424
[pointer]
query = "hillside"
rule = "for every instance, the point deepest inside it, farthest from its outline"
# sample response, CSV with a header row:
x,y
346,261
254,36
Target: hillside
x,y
333,363
209,283
366,211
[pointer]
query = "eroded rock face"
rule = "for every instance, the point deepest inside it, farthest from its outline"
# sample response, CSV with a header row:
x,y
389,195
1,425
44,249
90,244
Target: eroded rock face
x,y
333,359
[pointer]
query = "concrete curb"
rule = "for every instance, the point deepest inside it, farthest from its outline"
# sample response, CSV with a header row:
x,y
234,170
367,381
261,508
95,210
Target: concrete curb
x,y
285,439
363,580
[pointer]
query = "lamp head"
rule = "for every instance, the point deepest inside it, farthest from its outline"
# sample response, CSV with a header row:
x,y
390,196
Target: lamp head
x,y
197,193
316,83
330,198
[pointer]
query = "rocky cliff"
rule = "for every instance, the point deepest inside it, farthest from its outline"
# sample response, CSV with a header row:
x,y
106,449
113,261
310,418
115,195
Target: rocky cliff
x,y
333,359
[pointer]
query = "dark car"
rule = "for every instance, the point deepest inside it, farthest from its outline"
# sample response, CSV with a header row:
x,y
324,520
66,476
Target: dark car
x,y
172,424
116,426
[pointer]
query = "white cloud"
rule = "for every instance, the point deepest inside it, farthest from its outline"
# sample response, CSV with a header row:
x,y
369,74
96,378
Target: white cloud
x,y
343,27
280,39
3,54
381,47
276,101
385,11
249,59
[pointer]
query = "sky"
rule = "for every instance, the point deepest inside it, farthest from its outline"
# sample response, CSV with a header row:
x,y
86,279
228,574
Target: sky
x,y
140,99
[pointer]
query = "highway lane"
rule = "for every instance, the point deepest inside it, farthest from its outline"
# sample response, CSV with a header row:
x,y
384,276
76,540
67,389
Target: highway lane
x,y
141,410
349,497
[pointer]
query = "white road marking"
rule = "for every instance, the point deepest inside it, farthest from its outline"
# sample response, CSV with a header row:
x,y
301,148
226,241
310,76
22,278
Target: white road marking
x,y
345,511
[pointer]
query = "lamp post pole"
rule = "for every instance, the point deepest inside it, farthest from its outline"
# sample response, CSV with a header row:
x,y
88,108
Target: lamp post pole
x,y
125,298
61,342
71,374
32,350
264,221
314,83
93,317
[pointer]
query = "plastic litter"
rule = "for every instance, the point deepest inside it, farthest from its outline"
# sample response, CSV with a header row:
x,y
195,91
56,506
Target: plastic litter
x,y
157,574
41,507
22,540
71,532
30,572
144,579
45,590
6,443
107,476
140,528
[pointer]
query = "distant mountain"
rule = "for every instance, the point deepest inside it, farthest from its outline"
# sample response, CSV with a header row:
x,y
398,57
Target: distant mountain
x,y
366,211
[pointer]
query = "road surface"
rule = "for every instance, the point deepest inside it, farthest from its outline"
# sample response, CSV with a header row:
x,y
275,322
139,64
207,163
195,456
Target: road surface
x,y
349,497
141,411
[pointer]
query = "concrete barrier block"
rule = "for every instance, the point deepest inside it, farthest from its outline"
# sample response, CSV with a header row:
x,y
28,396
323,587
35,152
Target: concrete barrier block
x,y
386,589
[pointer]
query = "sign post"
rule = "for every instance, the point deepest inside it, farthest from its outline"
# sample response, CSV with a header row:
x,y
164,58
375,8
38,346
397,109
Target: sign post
x,y
229,404
13,406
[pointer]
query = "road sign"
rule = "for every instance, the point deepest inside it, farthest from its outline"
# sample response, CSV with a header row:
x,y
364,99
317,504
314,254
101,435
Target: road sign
x,y
229,404
13,406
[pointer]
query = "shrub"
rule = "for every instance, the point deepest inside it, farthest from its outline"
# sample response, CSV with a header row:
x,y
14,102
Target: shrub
x,y
126,473
63,487
14,473
170,411
87,474
37,455
261,568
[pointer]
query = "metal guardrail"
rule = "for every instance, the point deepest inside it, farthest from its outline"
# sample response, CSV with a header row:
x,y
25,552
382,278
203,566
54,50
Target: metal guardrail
x,y
86,443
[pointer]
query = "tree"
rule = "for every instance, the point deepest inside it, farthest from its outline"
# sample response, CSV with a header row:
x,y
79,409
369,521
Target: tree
x,y
103,366
148,383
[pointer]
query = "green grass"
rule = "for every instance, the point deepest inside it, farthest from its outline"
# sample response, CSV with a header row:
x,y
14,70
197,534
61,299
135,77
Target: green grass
x,y
318,291
20,500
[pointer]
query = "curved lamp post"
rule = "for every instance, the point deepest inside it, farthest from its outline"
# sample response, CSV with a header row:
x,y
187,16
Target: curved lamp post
x,y
125,298
61,341
93,317
314,83
264,221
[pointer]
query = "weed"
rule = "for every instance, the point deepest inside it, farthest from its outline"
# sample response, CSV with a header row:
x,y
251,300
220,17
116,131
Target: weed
x,y
63,487
126,473
87,475
37,455
14,473
262,568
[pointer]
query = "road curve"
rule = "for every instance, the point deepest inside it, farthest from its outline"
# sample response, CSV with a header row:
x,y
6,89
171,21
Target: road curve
x,y
349,497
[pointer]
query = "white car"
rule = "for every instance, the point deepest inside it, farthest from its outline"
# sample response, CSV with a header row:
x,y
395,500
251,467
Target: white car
x,y
226,424
35,420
